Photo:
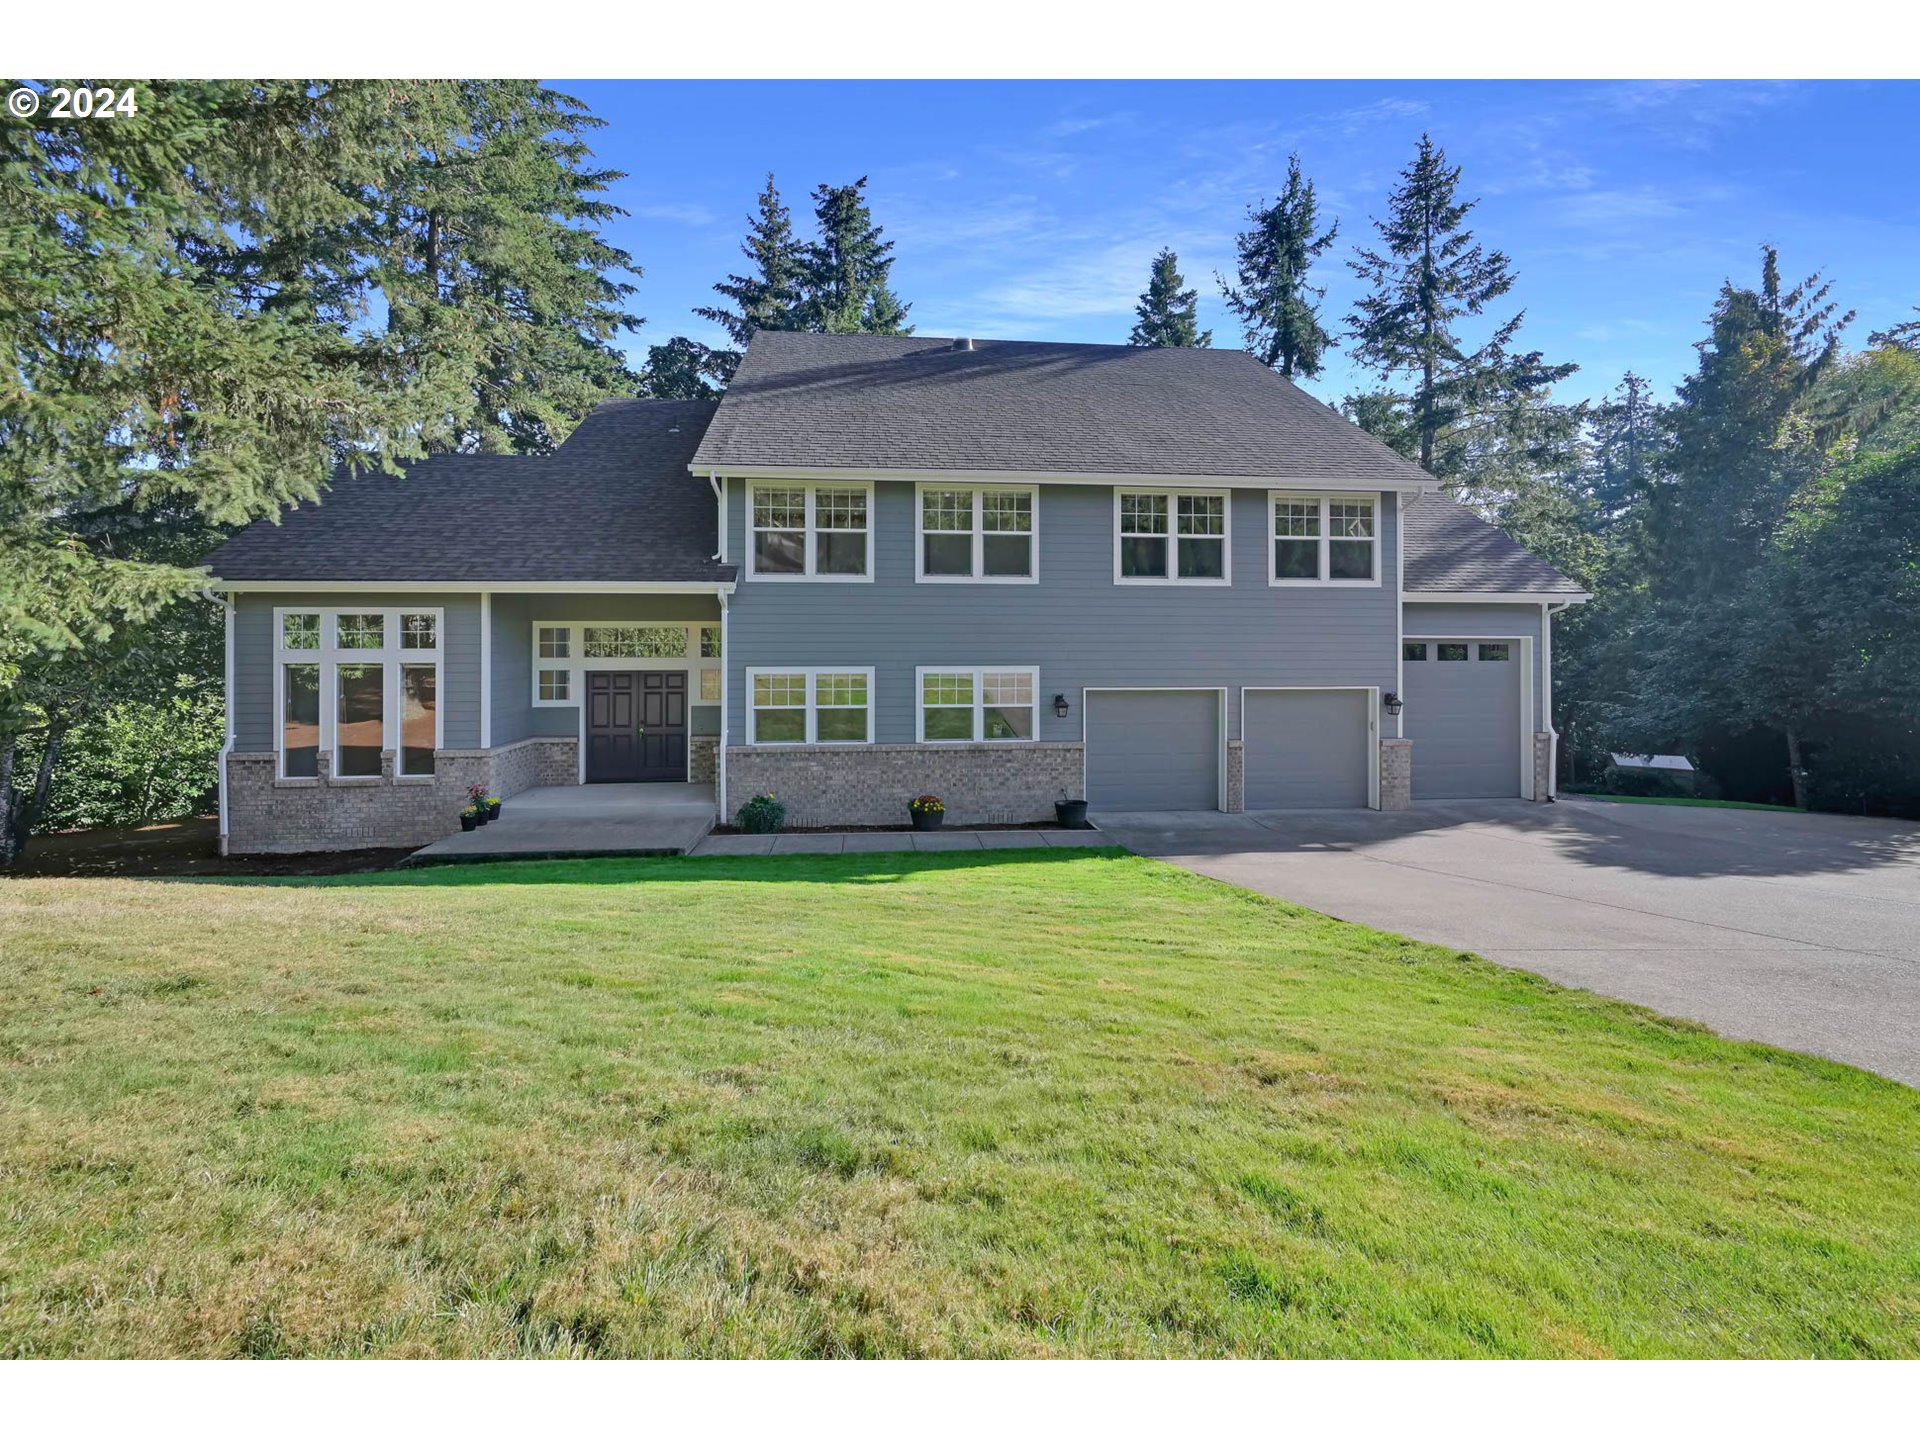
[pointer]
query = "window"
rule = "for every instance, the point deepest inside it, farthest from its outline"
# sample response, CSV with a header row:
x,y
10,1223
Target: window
x,y
556,686
810,532
984,704
710,685
556,642
634,642
1171,536
1412,650
822,707
362,632
1500,651
300,721
419,716
361,724
300,631
1324,540
979,533
709,642
1450,652
356,685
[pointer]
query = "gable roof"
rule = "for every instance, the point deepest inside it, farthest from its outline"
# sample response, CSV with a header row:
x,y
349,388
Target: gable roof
x,y
615,502
884,402
1451,549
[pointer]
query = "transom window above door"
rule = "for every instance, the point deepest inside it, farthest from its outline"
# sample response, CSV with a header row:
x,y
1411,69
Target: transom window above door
x,y
1324,540
981,532
1171,537
810,532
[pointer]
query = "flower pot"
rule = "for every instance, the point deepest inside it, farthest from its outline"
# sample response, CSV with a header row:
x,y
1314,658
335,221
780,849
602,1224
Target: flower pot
x,y
467,822
1072,814
482,817
927,819
493,809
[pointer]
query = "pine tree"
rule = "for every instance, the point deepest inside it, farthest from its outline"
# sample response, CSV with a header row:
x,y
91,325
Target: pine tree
x,y
1278,307
684,369
1905,335
1169,315
768,296
845,276
1431,274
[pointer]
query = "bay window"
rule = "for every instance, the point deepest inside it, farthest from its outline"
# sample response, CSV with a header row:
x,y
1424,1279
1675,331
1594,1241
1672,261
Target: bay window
x,y
810,532
1171,537
1324,540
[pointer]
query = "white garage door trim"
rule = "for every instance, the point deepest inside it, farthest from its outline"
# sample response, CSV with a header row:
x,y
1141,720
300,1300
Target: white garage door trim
x,y
1219,693
1527,687
1372,692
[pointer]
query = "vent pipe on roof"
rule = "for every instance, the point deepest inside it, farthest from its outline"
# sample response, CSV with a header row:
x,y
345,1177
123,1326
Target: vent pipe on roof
x,y
964,343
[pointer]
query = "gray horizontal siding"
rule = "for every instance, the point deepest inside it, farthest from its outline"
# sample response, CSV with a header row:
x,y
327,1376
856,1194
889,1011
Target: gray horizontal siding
x,y
253,650
1076,624
1471,620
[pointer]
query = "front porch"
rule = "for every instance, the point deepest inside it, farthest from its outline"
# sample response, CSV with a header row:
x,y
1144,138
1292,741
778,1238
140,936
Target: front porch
x,y
572,821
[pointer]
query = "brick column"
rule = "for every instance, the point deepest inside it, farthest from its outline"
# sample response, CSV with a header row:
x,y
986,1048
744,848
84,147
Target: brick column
x,y
1236,777
1542,766
1396,774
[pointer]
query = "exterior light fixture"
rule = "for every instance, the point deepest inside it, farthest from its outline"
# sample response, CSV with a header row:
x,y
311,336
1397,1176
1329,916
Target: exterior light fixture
x,y
1393,703
1060,706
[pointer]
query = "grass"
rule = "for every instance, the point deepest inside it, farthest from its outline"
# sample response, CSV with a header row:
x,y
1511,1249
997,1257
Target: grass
x,y
1677,800
1033,1103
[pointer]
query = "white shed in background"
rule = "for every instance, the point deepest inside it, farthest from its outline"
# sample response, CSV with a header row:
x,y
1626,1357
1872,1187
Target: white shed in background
x,y
1679,764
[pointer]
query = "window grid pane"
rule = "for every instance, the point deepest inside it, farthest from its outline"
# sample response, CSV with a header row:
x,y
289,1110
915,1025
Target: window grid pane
x,y
1143,514
847,689
709,642
709,684
1450,652
783,690
840,510
947,689
634,642
779,509
1202,515
948,511
360,720
362,632
417,632
300,632
555,685
300,721
1411,651
1499,651
555,642
1296,519
1350,519
418,702
1007,512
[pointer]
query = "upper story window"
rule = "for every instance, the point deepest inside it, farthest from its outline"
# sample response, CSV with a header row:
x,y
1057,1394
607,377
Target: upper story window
x,y
1324,540
983,532
810,532
1171,537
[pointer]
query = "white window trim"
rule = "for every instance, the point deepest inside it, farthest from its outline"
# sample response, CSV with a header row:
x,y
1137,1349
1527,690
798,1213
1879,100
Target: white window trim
x,y
920,673
1173,537
979,575
808,542
576,664
1325,498
812,706
329,657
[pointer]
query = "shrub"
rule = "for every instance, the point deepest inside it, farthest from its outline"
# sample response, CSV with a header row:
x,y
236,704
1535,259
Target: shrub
x,y
1620,781
762,815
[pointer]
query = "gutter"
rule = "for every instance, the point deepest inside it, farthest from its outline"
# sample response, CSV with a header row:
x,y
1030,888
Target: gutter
x,y
225,602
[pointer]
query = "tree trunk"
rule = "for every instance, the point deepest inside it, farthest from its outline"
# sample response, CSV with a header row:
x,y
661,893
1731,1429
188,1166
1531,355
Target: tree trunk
x,y
9,747
20,813
1796,770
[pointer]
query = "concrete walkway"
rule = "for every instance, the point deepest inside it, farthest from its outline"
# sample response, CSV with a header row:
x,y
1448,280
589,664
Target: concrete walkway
x,y
1800,930
858,842
559,821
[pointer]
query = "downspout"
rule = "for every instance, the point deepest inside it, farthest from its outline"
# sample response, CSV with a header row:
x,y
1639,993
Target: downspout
x,y
226,700
726,669
486,669
1547,612
720,504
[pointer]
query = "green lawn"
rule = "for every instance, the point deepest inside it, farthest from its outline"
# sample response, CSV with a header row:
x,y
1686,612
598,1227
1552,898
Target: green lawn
x,y
1029,1103
1676,800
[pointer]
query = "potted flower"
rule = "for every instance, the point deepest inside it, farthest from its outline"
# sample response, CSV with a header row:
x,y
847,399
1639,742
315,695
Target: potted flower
x,y
1072,814
477,802
469,818
493,807
928,811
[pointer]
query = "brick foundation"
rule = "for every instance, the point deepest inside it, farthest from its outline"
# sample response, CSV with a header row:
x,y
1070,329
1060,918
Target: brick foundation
x,y
1542,765
1396,774
703,759
269,816
871,784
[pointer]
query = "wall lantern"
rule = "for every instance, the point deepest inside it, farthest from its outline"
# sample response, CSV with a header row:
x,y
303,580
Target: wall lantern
x,y
1393,703
1060,706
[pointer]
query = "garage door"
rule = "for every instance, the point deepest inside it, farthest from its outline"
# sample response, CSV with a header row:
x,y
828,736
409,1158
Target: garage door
x,y
1463,716
1305,749
1153,750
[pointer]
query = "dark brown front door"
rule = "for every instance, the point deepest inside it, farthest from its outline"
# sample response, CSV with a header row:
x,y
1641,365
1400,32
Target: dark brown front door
x,y
636,725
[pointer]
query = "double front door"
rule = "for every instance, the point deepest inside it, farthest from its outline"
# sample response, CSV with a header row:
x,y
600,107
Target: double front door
x,y
636,725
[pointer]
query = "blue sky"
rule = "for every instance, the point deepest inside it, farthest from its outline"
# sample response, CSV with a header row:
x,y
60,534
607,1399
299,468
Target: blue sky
x,y
1027,210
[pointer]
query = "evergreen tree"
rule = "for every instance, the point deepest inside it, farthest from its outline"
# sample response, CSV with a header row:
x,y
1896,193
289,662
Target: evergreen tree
x,y
1278,307
1905,335
1169,315
1431,274
684,369
845,274
768,296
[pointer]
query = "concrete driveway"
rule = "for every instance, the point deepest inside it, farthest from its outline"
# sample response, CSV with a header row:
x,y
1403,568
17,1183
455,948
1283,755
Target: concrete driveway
x,y
1800,930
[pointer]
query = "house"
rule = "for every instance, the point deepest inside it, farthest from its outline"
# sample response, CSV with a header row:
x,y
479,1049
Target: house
x,y
1004,572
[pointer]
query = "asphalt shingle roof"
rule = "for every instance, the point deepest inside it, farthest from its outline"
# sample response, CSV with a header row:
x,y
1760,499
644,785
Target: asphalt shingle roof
x,y
615,503
917,403
1449,548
